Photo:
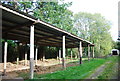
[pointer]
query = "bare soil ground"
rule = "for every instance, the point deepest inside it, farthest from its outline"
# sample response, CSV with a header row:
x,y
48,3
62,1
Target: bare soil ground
x,y
14,67
47,66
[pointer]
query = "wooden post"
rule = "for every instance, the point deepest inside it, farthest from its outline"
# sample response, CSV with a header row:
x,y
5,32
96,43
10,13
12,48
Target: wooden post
x,y
66,52
25,58
57,58
76,56
17,61
43,57
36,55
80,52
26,54
5,57
93,52
32,52
88,52
71,54
59,55
63,59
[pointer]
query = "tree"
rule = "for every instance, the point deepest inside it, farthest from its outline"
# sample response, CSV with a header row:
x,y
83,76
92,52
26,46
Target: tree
x,y
95,28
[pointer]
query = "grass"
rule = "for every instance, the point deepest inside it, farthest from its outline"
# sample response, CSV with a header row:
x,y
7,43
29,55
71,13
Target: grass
x,y
76,72
110,69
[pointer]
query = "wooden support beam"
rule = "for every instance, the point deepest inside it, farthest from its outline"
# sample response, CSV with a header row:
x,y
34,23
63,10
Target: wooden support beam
x,y
20,35
60,55
32,52
26,58
38,32
9,21
26,34
88,52
16,37
5,56
36,55
51,41
48,37
44,37
43,59
24,38
17,27
66,52
93,52
80,52
56,44
49,44
25,53
17,60
71,54
57,57
52,35
63,59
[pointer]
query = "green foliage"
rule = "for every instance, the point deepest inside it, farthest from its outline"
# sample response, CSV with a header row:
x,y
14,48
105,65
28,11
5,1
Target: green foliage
x,y
116,45
55,13
74,52
95,28
12,50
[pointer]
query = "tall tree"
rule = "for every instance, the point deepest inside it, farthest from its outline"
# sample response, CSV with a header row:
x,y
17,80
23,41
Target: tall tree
x,y
55,13
95,28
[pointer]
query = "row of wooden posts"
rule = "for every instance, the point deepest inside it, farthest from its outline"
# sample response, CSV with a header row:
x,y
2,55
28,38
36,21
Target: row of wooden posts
x,y
32,53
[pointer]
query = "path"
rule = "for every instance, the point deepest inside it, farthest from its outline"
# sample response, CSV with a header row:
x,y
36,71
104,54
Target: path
x,y
98,71
115,75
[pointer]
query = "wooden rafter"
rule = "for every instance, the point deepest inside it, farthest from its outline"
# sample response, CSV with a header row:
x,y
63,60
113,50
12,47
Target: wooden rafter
x,y
17,27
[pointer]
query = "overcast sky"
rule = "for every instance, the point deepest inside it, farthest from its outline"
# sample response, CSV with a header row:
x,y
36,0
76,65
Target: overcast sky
x,y
107,8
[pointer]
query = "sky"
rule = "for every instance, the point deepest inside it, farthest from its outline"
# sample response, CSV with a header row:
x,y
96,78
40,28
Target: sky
x,y
107,8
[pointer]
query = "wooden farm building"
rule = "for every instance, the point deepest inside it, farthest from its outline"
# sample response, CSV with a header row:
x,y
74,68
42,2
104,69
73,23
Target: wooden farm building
x,y
28,30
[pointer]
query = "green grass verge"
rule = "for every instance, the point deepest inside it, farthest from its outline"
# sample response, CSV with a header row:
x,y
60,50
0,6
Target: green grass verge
x,y
110,70
76,72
